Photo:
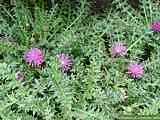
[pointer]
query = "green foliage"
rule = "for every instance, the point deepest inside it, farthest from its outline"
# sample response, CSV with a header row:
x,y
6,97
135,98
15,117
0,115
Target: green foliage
x,y
92,89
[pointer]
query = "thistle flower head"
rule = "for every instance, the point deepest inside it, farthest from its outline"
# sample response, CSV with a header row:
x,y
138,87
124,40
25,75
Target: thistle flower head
x,y
135,70
65,62
155,26
19,76
118,48
34,56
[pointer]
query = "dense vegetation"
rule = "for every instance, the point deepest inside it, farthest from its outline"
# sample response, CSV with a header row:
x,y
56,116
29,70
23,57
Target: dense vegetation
x,y
97,86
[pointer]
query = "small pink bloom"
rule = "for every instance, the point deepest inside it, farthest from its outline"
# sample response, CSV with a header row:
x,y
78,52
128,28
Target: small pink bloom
x,y
65,62
19,76
135,70
34,56
155,26
118,48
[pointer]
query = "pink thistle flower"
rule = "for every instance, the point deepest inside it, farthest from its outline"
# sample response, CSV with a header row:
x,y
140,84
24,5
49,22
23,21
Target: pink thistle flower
x,y
118,48
34,56
155,26
65,62
19,76
135,70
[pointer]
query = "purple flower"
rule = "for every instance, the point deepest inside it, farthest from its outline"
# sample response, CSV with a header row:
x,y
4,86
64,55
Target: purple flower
x,y
155,26
118,48
135,70
34,56
19,76
65,62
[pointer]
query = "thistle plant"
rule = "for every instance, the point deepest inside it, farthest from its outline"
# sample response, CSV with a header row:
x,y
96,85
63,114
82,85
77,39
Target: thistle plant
x,y
104,56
